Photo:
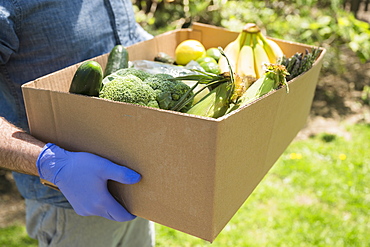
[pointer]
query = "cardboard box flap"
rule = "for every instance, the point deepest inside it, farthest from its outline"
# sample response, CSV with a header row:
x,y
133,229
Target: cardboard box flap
x,y
212,37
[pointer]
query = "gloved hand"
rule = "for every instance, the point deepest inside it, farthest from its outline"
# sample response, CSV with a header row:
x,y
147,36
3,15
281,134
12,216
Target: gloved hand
x,y
82,178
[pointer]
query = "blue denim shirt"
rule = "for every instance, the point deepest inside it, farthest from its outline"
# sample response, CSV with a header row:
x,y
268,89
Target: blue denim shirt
x,y
38,37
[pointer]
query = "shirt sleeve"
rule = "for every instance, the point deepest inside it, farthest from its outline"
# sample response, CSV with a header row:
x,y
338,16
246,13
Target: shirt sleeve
x,y
9,42
144,35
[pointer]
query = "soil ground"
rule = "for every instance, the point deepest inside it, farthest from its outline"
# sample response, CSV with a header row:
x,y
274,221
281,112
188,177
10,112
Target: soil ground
x,y
337,100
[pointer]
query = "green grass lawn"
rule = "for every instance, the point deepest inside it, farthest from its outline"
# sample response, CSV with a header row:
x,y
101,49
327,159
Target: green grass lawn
x,y
317,194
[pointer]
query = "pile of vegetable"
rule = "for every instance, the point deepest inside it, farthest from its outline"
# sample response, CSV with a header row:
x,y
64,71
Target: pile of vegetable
x,y
247,68
123,84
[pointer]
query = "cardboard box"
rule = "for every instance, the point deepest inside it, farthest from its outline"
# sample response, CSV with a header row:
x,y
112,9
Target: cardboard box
x,y
196,171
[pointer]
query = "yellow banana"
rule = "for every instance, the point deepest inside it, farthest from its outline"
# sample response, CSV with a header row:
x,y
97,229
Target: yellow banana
x,y
245,64
232,52
278,51
260,56
272,49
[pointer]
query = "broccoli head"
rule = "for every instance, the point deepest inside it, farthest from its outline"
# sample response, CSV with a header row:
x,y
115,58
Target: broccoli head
x,y
169,91
129,89
141,74
132,71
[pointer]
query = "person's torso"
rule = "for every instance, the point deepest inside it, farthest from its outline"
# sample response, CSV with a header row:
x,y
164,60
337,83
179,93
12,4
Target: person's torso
x,y
39,37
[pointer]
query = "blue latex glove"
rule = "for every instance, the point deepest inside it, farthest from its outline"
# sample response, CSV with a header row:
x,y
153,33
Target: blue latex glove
x,y
82,178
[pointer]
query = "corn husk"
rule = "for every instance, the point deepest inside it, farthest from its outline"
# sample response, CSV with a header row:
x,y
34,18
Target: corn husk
x,y
214,104
273,78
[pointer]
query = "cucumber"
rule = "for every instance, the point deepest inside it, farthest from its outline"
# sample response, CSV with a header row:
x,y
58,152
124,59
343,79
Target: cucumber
x,y
88,79
117,59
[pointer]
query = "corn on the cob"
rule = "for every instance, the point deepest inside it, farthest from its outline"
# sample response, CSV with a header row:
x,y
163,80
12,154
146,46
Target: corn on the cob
x,y
205,80
272,79
215,104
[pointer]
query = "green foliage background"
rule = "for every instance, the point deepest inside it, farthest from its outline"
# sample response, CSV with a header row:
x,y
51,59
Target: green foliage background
x,y
320,23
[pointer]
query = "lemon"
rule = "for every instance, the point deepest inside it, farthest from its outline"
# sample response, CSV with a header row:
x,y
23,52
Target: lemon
x,y
214,52
189,50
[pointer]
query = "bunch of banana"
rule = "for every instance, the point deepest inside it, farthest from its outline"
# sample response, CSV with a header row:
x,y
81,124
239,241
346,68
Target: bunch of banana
x,y
249,53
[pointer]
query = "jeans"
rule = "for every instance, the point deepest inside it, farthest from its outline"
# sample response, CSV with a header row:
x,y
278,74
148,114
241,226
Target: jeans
x,y
56,226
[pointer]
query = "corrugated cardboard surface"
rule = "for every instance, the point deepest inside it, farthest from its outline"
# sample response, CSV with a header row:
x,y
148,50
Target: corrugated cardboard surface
x,y
196,171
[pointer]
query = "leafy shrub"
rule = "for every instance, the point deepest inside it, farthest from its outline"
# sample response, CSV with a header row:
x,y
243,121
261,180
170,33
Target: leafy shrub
x,y
319,23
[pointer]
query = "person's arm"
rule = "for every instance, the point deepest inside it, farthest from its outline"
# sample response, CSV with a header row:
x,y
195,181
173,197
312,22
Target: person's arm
x,y
18,150
82,177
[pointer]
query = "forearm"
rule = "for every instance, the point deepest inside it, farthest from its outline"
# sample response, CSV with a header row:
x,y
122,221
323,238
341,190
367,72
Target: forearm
x,y
18,150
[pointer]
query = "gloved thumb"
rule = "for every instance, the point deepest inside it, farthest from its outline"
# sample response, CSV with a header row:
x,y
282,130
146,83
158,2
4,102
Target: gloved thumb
x,y
122,174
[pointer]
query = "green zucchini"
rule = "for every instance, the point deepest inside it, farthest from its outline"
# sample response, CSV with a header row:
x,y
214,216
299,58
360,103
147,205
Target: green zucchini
x,y
87,80
117,59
